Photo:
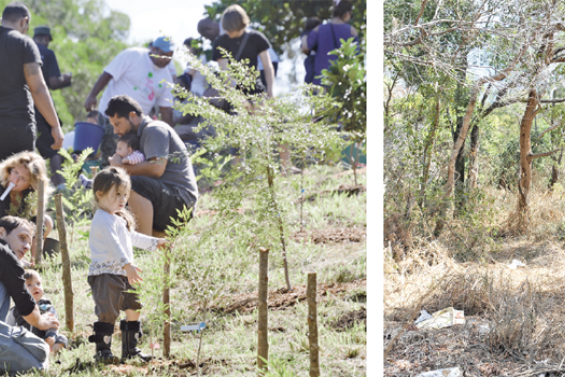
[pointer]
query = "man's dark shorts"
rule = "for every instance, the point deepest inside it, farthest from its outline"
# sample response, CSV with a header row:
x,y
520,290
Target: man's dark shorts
x,y
44,138
164,197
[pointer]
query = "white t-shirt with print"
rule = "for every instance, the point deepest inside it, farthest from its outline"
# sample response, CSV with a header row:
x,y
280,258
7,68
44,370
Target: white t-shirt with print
x,y
134,74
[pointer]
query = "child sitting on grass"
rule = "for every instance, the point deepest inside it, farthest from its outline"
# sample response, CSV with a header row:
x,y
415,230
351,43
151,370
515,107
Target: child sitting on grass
x,y
34,285
128,149
112,271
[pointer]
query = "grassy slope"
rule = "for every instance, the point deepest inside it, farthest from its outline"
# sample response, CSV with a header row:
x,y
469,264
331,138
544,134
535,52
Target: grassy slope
x,y
229,344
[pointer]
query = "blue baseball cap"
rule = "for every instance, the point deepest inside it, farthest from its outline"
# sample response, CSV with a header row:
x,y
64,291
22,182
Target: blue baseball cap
x,y
164,43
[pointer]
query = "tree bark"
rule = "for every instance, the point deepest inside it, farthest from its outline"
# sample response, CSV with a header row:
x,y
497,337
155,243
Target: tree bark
x,y
40,221
474,158
313,326
67,278
463,134
555,171
263,321
526,158
428,147
167,303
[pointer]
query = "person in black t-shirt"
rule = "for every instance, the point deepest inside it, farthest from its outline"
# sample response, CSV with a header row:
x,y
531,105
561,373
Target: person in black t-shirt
x,y
54,80
22,85
234,22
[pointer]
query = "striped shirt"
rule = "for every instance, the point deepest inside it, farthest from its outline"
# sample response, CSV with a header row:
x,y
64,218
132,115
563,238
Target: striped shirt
x,y
134,158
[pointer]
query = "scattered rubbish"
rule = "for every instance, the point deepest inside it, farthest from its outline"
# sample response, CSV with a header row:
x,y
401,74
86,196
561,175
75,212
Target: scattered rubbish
x,y
424,315
484,329
443,318
193,327
449,372
515,264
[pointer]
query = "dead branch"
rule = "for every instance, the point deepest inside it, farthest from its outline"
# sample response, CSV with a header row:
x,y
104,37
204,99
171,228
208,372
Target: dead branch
x,y
421,12
545,154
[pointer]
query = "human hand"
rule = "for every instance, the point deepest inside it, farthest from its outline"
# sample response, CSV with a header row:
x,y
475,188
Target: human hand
x,y
163,243
56,347
125,160
58,135
115,160
67,77
50,341
48,321
133,273
90,103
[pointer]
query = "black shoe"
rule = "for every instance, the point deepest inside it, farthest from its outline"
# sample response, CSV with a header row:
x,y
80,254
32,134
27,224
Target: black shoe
x,y
103,338
131,334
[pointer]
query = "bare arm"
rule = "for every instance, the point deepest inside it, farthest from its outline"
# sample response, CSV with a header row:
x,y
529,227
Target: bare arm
x,y
103,80
167,115
304,44
60,82
42,100
154,168
42,322
269,72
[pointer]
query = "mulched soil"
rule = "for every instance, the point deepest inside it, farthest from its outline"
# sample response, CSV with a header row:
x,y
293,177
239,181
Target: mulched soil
x,y
348,320
416,351
282,299
169,368
331,235
349,190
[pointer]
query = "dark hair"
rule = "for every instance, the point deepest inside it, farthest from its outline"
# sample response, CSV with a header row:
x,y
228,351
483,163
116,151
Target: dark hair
x,y
92,114
122,105
342,8
311,23
12,222
131,140
109,178
234,18
15,12
30,274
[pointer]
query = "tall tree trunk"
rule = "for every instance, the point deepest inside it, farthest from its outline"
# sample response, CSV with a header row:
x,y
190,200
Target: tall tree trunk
x,y
459,170
428,147
555,171
474,158
526,158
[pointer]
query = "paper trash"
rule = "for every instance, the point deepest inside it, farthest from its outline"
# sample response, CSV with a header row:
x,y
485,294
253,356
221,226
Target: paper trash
x,y
449,372
443,318
423,316
515,264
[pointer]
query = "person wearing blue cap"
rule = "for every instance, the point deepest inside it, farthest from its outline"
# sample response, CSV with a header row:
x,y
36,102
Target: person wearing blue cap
x,y
138,73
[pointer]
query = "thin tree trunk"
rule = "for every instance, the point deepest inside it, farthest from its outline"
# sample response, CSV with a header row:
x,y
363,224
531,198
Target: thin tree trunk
x,y
67,278
474,158
555,171
263,321
40,221
525,173
463,134
428,147
270,180
313,326
167,303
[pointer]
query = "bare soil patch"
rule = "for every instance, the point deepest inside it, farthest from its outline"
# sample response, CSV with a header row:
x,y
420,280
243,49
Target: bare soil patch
x,y
282,298
322,236
348,320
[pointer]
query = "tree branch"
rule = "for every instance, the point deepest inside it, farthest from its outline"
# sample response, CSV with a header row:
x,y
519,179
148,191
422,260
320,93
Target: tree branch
x,y
532,156
421,12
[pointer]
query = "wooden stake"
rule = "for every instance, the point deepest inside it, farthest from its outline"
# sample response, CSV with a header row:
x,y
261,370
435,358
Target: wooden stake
x,y
263,329
94,170
40,221
313,326
67,278
167,303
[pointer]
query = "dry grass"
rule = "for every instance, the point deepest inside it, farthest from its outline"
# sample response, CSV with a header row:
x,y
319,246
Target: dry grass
x,y
467,268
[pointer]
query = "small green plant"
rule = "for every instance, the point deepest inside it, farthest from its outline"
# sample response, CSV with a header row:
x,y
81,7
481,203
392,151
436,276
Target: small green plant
x,y
78,202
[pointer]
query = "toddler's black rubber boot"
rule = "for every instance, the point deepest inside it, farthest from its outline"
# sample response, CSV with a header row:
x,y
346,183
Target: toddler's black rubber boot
x,y
131,334
103,338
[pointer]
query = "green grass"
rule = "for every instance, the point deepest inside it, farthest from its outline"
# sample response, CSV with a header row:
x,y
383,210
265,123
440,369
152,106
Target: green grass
x,y
229,342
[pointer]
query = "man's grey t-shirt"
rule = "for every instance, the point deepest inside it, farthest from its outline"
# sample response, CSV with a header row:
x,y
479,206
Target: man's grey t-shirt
x,y
158,139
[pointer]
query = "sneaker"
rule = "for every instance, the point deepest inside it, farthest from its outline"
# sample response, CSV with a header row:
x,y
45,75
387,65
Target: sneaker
x,y
85,182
